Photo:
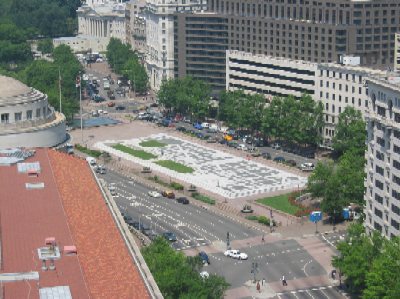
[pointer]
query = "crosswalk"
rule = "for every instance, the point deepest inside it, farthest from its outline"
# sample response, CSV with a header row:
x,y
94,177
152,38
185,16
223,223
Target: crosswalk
x,y
327,292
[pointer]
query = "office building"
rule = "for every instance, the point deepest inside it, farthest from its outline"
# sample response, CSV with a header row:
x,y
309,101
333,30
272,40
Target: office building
x,y
382,185
200,44
397,52
316,31
159,15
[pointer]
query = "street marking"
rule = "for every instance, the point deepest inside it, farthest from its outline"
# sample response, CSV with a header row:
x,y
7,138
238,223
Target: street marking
x,y
308,293
329,242
304,267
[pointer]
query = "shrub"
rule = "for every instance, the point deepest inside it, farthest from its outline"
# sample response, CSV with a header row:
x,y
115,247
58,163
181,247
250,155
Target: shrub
x,y
263,220
87,151
203,198
176,186
252,217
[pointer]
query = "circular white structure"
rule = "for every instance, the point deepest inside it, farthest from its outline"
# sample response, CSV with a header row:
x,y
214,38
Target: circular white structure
x,y
26,119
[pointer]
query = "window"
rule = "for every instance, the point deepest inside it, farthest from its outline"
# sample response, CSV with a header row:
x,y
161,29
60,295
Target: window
x,y
37,112
378,213
378,198
5,118
18,116
29,114
379,184
379,170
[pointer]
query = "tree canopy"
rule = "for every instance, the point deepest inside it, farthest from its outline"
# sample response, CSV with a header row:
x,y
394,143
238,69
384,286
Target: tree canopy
x,y
186,96
124,61
350,132
177,276
14,48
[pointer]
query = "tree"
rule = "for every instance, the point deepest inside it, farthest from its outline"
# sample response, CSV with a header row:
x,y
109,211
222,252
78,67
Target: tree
x,y
318,180
45,46
357,254
382,281
350,132
178,276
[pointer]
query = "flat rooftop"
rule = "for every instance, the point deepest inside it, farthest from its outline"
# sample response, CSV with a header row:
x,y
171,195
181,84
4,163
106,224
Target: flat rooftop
x,y
69,208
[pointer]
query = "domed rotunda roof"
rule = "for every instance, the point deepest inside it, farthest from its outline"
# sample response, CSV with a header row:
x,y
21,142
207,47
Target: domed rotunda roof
x,y
10,87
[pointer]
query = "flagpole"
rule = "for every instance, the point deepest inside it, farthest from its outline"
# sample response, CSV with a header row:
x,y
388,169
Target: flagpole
x,y
59,86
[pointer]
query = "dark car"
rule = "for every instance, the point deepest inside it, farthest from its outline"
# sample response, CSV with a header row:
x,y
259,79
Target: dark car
x,y
120,108
279,159
169,236
181,129
127,218
200,135
154,105
204,257
291,163
266,156
183,200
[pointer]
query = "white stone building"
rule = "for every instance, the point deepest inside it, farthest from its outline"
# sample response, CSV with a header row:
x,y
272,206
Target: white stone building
x,y
335,85
397,52
136,25
382,195
27,120
160,36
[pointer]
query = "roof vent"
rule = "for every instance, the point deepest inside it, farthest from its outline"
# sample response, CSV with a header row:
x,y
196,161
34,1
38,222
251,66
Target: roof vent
x,y
70,250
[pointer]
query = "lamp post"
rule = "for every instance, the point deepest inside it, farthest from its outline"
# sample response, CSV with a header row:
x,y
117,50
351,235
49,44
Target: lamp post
x,y
78,84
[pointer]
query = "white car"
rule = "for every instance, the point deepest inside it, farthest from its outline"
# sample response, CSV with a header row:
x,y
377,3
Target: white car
x,y
236,254
204,274
154,194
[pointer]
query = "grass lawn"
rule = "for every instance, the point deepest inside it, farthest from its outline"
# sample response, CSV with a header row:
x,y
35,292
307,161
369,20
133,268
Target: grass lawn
x,y
152,143
178,167
280,202
136,153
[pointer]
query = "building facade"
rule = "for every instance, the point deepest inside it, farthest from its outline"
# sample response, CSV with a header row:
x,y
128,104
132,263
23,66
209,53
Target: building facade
x,y
136,25
336,86
27,120
382,185
200,44
397,52
270,76
159,15
102,21
316,31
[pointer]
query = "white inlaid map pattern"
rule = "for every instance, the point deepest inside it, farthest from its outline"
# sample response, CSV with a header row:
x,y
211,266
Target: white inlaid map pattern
x,y
215,171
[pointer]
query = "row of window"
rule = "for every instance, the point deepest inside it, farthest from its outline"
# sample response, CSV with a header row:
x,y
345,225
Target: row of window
x,y
5,117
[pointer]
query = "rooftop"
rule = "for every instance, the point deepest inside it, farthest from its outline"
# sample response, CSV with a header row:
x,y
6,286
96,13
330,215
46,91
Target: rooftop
x,y
10,87
70,209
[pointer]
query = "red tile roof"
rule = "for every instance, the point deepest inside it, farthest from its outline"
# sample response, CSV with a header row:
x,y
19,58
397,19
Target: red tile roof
x,y
71,209
27,218
107,265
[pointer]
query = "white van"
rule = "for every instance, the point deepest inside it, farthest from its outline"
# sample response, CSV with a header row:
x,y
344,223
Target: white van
x,y
205,125
307,166
92,161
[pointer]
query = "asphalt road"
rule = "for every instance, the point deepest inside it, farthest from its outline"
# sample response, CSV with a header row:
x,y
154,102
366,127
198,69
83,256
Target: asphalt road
x,y
194,226
328,292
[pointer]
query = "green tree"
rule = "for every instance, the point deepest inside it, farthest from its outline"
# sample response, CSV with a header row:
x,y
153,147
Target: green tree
x,y
382,281
178,276
136,73
318,180
356,256
350,132
45,46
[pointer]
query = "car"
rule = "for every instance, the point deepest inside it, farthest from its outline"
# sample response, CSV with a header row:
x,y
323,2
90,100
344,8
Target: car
x,y
153,105
92,161
292,163
236,254
168,194
307,166
204,257
279,159
181,129
204,274
119,107
183,200
205,125
266,156
242,147
246,209
276,146
200,135
111,104
197,126
212,140
112,189
100,169
127,218
154,194
169,236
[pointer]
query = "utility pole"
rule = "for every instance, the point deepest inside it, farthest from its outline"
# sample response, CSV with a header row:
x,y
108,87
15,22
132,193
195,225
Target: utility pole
x,y
59,86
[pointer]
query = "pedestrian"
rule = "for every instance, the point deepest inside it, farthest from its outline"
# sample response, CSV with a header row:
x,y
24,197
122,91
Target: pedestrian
x,y
263,239
284,283
258,286
263,281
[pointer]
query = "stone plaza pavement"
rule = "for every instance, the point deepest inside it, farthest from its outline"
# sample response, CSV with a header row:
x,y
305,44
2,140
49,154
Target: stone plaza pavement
x,y
218,172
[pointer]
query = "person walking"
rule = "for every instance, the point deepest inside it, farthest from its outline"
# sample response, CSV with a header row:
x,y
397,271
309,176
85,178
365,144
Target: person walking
x,y
263,239
263,282
258,287
284,283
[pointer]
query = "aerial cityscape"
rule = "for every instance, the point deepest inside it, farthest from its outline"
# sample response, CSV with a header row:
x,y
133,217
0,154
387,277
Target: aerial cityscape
x,y
200,149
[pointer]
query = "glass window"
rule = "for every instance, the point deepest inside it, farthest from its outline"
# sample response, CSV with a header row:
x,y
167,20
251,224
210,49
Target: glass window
x,y
29,114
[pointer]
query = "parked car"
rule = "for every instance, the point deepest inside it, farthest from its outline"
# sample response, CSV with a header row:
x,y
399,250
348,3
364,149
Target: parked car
x,y
276,146
279,159
183,200
242,147
266,156
292,163
204,274
119,107
100,169
204,257
110,104
197,126
181,129
307,167
236,254
168,194
169,236
154,194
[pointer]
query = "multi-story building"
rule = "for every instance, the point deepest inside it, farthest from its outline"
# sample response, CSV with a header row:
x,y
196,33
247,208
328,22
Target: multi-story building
x,y
200,44
270,76
336,86
382,185
397,52
136,25
102,21
317,31
159,16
